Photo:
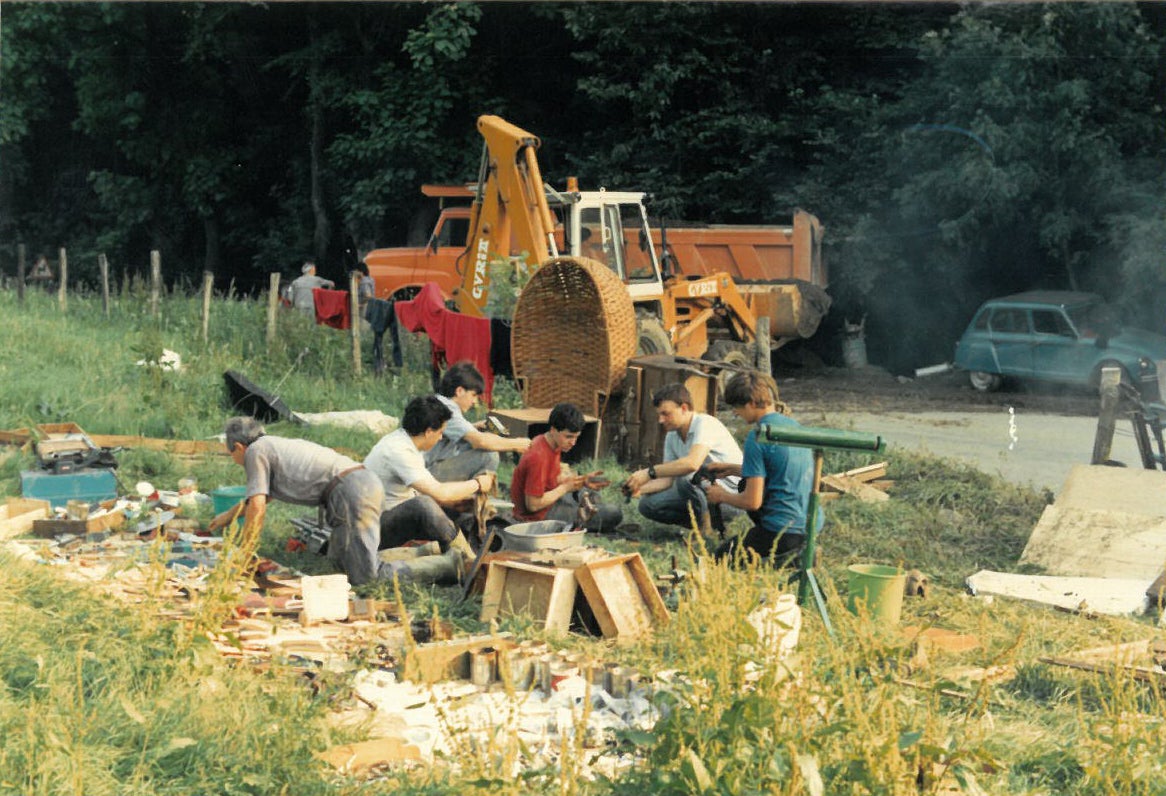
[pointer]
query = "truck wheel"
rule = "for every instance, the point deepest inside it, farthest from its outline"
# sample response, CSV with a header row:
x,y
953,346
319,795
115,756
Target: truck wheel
x,y
737,356
652,338
721,350
983,381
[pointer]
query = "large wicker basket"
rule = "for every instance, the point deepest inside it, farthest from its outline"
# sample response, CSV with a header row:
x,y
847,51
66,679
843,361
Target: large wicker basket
x,y
574,331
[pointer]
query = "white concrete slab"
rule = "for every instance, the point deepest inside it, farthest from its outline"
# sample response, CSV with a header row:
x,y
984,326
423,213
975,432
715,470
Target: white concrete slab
x,y
1111,596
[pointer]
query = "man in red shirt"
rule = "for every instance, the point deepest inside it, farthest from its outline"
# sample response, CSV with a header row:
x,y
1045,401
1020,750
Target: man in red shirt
x,y
542,489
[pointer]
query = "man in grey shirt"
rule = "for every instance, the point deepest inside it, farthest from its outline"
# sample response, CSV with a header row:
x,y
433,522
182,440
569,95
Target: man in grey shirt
x,y
306,474
303,285
465,449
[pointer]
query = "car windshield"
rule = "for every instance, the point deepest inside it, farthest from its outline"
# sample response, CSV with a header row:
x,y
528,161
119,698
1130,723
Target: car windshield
x,y
1094,319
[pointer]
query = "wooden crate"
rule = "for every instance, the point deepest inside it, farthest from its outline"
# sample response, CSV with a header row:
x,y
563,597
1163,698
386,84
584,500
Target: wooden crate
x,y
16,436
18,515
58,430
545,593
103,522
622,596
449,659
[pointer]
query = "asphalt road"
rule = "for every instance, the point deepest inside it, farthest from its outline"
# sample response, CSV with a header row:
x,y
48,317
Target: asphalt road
x,y
1024,448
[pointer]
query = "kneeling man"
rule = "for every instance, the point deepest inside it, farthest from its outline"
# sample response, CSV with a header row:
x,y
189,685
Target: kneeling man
x,y
778,478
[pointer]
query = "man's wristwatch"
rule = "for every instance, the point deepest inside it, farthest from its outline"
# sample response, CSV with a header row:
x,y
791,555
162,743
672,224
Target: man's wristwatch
x,y
651,471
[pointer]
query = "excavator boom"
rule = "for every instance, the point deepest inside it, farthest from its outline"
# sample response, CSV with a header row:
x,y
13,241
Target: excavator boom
x,y
510,205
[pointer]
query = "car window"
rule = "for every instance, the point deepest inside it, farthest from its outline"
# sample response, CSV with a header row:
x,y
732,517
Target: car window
x,y
1009,319
1051,322
981,321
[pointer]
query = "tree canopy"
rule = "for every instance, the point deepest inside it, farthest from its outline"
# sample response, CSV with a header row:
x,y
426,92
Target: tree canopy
x,y
953,152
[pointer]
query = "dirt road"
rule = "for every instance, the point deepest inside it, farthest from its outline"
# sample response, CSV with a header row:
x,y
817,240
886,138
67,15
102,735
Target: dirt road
x,y
1047,431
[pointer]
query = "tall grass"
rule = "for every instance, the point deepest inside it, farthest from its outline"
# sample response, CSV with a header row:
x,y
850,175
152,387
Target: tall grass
x,y
97,697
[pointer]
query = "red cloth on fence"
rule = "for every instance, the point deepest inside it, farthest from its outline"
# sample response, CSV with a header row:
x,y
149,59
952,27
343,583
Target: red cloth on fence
x,y
332,307
467,337
453,336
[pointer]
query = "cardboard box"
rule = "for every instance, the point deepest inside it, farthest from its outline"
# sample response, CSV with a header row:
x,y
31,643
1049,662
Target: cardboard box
x,y
18,515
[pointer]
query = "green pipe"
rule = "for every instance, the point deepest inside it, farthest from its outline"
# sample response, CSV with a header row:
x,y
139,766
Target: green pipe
x,y
824,438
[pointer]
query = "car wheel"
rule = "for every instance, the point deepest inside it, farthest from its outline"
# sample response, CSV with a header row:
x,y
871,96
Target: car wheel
x,y
984,381
1110,363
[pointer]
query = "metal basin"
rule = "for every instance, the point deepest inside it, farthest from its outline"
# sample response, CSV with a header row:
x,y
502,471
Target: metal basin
x,y
542,535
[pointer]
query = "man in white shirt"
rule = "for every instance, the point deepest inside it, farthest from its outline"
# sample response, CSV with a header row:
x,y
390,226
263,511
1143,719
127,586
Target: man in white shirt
x,y
414,499
465,449
302,286
666,490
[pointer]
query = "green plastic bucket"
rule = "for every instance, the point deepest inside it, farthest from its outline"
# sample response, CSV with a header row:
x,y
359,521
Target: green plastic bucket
x,y
878,590
225,497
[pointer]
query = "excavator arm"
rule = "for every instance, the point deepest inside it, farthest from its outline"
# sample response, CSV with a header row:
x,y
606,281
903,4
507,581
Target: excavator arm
x,y
510,205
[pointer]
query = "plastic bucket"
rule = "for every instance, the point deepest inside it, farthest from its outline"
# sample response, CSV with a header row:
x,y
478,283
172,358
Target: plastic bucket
x,y
225,497
878,590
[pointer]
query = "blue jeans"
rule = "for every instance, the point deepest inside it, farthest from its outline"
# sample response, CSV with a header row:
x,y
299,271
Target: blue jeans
x,y
671,506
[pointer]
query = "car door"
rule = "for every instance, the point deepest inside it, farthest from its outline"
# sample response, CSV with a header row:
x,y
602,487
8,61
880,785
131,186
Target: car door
x,y
1010,336
1057,354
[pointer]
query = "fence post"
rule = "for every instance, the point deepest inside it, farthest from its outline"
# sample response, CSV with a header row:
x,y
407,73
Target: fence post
x,y
20,272
63,289
208,286
354,312
764,363
103,266
155,281
272,307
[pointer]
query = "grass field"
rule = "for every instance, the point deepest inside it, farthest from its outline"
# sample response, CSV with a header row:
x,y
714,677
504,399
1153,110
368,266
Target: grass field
x,y
97,697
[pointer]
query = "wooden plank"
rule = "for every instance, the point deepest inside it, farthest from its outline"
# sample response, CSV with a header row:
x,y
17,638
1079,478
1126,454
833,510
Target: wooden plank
x,y
622,596
18,515
870,472
858,489
546,594
183,447
102,522
441,660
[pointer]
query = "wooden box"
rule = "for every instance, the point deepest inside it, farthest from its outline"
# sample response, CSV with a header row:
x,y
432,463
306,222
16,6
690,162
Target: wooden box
x,y
102,522
18,515
622,596
59,430
16,436
545,593
443,660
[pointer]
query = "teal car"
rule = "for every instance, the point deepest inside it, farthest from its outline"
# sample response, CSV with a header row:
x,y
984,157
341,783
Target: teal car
x,y
1058,336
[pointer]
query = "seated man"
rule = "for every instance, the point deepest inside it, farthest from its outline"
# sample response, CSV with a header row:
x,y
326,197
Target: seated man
x,y
413,497
302,472
778,479
465,449
694,439
543,489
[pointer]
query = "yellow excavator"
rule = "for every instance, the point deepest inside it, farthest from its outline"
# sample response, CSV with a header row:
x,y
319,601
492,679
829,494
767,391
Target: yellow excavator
x,y
512,211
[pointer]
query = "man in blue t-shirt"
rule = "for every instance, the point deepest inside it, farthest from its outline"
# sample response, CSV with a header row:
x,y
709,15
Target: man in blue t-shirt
x,y
777,478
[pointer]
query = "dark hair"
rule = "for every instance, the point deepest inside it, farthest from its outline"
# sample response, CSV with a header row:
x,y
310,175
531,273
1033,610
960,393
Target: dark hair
x,y
677,393
361,267
423,414
567,417
750,386
462,374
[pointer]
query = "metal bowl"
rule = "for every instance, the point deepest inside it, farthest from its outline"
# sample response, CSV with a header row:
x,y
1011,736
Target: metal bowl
x,y
541,535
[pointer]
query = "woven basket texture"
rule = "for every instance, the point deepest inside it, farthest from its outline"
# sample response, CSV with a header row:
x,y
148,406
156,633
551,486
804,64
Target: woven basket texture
x,y
573,332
